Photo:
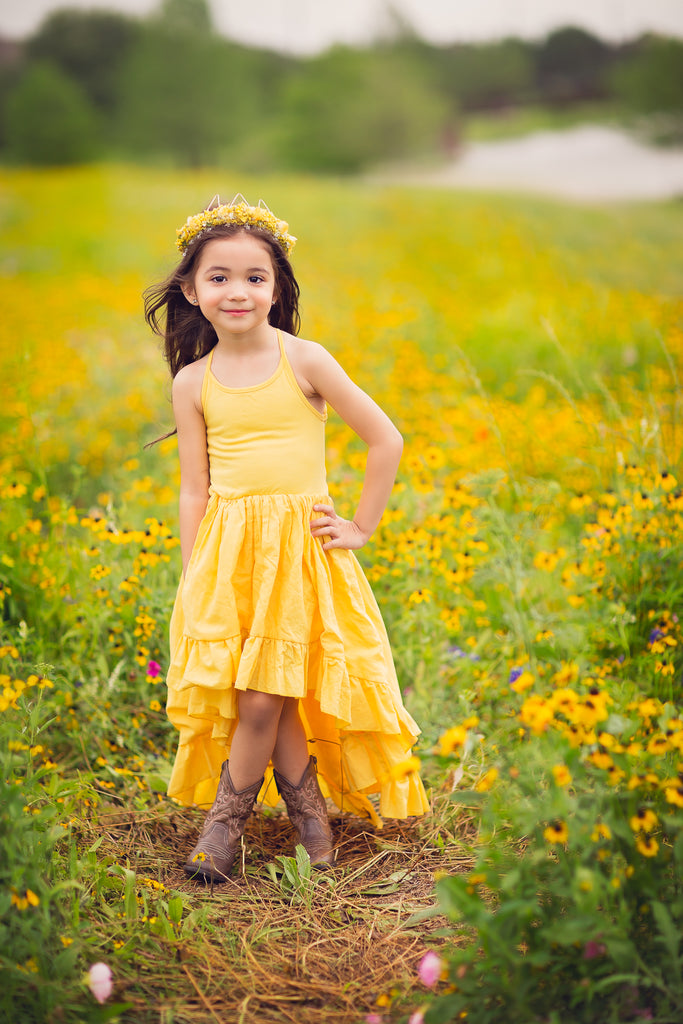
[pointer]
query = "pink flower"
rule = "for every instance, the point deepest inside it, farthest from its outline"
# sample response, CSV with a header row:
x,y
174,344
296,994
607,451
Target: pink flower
x,y
593,949
153,669
100,982
416,1018
373,1018
430,969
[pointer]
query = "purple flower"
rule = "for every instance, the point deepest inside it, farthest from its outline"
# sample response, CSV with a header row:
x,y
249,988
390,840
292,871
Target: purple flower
x,y
153,669
593,949
430,969
515,673
100,982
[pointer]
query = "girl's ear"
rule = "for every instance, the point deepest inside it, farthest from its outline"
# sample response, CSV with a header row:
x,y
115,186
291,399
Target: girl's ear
x,y
188,292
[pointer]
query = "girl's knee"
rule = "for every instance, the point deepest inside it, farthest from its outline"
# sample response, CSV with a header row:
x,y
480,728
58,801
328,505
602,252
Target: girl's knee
x,y
259,711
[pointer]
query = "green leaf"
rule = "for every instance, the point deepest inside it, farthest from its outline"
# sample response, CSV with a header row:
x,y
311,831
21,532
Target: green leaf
x,y
622,952
157,784
668,931
130,897
303,862
175,909
445,1009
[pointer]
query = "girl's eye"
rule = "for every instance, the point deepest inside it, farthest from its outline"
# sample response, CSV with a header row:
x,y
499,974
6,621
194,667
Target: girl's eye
x,y
218,278
255,279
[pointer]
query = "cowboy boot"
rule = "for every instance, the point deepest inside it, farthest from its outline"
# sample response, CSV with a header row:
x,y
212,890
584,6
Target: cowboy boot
x,y
307,811
214,855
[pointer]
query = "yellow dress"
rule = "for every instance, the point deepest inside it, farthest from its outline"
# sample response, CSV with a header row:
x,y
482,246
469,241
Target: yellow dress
x,y
263,607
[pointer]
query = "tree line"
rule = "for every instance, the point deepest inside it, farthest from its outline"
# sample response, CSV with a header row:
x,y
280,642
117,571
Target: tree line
x,y
93,85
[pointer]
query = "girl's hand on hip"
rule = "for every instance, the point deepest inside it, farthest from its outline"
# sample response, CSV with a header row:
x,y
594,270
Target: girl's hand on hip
x,y
336,532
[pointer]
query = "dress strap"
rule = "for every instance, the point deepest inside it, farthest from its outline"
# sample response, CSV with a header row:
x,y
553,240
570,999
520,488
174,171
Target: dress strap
x,y
205,379
281,343
293,382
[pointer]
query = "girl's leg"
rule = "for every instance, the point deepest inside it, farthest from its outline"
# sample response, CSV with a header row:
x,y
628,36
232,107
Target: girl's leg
x,y
290,754
297,783
255,736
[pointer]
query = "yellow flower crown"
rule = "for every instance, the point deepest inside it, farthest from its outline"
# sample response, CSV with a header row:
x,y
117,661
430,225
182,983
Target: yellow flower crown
x,y
236,212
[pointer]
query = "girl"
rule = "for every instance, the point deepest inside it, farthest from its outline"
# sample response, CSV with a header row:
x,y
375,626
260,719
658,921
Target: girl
x,y
276,640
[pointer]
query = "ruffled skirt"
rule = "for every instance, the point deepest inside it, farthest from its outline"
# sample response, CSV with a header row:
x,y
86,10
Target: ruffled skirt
x,y
263,607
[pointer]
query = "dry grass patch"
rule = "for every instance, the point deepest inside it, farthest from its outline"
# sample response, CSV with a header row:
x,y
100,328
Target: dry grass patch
x,y
258,952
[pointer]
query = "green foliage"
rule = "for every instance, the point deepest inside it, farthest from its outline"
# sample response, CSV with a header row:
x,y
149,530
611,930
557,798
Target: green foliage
x,y
575,901
652,79
591,928
484,76
48,119
296,880
350,108
183,94
88,47
170,87
571,64
185,16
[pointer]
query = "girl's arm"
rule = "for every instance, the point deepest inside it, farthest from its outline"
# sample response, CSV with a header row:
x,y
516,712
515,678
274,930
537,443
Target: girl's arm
x,y
194,459
384,442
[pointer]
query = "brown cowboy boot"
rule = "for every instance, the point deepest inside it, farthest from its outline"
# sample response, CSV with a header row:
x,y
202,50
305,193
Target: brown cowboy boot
x,y
214,855
307,811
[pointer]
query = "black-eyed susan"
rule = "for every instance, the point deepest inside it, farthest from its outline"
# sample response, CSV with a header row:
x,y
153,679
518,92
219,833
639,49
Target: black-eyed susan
x,y
600,832
561,775
404,769
647,845
487,780
674,795
644,820
453,740
556,833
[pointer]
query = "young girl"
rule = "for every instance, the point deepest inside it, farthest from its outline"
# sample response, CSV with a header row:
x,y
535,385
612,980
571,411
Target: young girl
x,y
277,643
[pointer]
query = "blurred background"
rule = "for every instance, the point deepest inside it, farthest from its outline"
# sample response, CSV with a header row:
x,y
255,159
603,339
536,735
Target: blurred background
x,y
434,91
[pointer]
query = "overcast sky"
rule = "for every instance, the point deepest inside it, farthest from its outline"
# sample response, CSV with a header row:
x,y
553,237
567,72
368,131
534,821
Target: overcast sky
x,y
306,26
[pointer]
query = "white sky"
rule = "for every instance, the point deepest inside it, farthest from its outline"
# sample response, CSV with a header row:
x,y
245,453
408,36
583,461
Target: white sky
x,y
307,26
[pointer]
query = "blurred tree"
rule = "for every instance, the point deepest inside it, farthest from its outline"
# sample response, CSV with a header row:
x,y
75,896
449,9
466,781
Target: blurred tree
x,y
89,47
48,119
186,16
650,77
484,77
187,93
349,108
11,68
572,64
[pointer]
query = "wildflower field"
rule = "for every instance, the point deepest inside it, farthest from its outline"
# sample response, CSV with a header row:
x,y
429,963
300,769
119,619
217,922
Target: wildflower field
x,y
529,570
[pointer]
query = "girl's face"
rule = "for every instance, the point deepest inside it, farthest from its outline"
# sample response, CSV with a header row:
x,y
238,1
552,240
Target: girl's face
x,y
234,284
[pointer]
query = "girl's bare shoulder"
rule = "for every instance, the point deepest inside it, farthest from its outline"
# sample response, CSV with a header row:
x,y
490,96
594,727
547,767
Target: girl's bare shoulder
x,y
303,354
188,380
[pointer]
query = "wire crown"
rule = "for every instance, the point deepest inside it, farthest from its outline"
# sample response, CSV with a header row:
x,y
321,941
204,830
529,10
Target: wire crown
x,y
238,212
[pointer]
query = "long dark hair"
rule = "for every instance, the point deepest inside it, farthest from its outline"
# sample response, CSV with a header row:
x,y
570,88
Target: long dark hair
x,y
187,334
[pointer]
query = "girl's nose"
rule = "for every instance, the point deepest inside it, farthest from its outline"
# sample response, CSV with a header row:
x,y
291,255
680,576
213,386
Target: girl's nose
x,y
236,290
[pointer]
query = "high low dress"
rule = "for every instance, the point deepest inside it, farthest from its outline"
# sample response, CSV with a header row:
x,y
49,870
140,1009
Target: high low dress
x,y
264,607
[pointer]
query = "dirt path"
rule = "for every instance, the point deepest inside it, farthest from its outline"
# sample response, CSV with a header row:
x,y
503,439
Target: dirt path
x,y
588,163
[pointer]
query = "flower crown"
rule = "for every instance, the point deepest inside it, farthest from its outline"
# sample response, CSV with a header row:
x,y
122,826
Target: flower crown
x,y
236,212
